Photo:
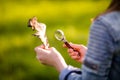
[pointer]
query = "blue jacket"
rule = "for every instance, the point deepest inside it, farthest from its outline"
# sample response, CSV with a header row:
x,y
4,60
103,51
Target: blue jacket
x,y
102,60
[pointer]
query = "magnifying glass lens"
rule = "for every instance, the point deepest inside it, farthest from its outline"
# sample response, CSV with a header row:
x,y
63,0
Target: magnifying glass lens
x,y
59,35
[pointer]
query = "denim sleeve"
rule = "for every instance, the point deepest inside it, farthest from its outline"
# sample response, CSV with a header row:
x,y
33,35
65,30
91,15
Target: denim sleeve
x,y
97,63
98,58
70,73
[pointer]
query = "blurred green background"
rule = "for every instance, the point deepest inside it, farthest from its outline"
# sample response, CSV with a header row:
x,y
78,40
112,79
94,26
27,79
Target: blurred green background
x,y
17,57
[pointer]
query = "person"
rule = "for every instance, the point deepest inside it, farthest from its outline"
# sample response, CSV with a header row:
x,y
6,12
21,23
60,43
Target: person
x,y
100,59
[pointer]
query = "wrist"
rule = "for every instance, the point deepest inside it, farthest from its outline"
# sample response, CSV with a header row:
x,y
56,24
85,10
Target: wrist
x,y
60,65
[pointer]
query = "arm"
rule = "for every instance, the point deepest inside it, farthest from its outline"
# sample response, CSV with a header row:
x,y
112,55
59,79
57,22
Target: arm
x,y
99,55
98,58
97,62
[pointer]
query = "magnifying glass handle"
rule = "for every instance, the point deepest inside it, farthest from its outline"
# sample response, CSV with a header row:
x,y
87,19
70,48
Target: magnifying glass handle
x,y
68,45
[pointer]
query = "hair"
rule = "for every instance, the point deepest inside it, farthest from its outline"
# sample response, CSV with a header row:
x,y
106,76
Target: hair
x,y
114,6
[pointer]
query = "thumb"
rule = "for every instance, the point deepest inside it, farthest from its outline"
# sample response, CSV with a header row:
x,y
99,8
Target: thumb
x,y
76,46
40,50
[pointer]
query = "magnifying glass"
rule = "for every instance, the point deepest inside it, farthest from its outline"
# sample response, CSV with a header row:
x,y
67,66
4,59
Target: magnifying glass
x,y
59,35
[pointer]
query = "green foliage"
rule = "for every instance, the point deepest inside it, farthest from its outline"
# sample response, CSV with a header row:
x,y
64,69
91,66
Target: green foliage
x,y
17,56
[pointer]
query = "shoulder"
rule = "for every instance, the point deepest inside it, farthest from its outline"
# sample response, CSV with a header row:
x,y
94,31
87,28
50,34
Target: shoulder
x,y
110,18
110,22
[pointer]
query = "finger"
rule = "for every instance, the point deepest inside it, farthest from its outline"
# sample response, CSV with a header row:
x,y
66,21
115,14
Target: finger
x,y
70,50
71,54
39,50
75,46
77,53
64,46
75,57
42,46
74,54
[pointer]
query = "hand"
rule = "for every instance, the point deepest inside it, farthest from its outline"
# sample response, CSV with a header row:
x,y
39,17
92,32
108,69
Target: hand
x,y
50,57
74,55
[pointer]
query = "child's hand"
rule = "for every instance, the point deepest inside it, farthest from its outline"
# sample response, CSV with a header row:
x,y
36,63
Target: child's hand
x,y
74,55
50,57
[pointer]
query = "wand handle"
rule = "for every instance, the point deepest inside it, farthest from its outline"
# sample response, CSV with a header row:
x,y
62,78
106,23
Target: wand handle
x,y
68,45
